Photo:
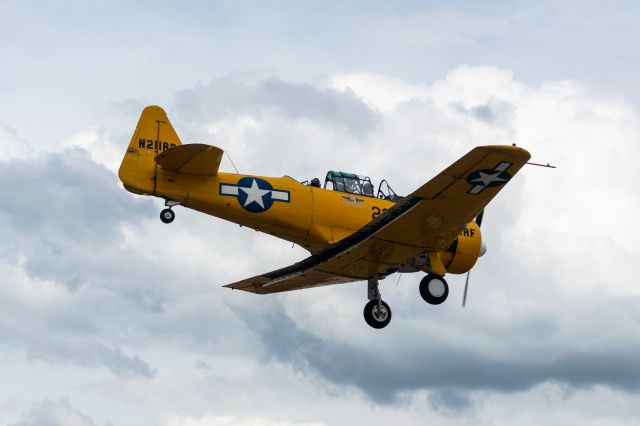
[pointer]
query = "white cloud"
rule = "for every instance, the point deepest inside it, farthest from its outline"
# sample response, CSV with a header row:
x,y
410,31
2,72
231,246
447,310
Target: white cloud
x,y
100,146
12,146
54,413
212,420
379,91
92,281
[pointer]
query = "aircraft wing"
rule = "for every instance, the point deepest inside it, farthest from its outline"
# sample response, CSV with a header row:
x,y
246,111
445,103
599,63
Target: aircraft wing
x,y
427,220
195,159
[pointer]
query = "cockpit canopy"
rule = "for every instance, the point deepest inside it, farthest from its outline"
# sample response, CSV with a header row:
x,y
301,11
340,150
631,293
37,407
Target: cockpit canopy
x,y
349,182
358,185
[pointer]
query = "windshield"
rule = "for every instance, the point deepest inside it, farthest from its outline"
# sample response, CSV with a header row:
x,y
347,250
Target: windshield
x,y
349,182
359,185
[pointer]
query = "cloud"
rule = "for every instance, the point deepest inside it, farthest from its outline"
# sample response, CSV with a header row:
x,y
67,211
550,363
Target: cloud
x,y
61,218
101,302
100,146
12,146
93,281
450,401
242,95
53,324
539,340
444,364
381,92
78,283
54,413
173,420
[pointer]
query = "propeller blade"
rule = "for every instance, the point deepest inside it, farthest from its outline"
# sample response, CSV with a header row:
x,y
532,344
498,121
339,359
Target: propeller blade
x,y
466,282
466,286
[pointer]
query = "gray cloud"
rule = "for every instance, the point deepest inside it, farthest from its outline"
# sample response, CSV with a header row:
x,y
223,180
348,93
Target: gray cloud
x,y
449,401
249,94
392,365
65,347
66,191
493,112
62,217
61,214
55,413
91,279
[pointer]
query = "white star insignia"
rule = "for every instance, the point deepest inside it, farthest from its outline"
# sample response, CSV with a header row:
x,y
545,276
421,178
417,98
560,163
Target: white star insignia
x,y
487,179
254,194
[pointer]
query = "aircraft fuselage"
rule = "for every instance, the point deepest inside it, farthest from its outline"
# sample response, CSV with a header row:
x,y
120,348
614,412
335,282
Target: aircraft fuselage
x,y
281,206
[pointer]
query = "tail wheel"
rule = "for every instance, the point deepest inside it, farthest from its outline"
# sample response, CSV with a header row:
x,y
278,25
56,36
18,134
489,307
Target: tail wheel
x,y
167,216
377,314
434,289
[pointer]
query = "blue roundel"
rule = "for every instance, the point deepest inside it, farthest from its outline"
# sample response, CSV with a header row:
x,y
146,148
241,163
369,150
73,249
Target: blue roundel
x,y
254,194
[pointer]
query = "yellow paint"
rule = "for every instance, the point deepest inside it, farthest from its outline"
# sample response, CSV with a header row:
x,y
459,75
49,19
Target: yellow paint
x,y
153,135
467,249
314,217
436,264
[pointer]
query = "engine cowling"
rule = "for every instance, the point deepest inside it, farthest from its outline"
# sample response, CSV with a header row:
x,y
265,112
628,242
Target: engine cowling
x,y
464,251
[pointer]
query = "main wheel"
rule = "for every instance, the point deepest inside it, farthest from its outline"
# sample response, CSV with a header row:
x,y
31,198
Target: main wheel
x,y
167,216
377,315
434,289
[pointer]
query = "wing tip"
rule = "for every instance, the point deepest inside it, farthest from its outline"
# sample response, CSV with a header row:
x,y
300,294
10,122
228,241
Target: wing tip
x,y
250,284
508,149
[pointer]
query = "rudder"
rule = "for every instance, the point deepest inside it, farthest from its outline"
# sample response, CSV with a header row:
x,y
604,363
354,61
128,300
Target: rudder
x,y
153,135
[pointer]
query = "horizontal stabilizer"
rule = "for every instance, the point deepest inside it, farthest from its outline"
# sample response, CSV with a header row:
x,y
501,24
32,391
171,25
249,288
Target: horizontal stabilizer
x,y
195,159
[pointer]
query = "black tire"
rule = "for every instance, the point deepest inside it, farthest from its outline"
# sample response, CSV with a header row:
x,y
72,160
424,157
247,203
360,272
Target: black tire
x,y
434,289
167,216
375,318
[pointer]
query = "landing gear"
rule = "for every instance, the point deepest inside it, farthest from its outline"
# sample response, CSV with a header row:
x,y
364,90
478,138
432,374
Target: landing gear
x,y
376,313
167,216
434,289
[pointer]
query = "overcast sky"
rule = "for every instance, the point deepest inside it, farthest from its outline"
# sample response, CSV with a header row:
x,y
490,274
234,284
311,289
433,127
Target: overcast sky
x,y
109,317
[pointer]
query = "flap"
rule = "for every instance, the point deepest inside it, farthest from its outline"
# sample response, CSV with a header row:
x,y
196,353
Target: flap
x,y
196,159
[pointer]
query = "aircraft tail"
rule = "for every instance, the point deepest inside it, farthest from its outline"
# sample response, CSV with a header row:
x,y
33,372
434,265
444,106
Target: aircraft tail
x,y
154,134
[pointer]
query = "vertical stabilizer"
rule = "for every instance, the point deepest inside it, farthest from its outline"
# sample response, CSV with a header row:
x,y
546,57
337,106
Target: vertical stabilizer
x,y
153,135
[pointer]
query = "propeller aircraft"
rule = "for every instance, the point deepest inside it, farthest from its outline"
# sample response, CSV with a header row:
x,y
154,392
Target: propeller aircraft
x,y
352,232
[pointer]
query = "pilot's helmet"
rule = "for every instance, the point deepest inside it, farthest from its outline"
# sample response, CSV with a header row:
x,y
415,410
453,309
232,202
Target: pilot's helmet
x,y
315,182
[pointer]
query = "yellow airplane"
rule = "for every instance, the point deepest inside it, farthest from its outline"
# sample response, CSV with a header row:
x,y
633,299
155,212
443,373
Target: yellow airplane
x,y
352,233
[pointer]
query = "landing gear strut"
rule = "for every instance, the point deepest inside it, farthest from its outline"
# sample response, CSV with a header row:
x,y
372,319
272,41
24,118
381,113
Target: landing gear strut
x,y
434,289
376,313
168,215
